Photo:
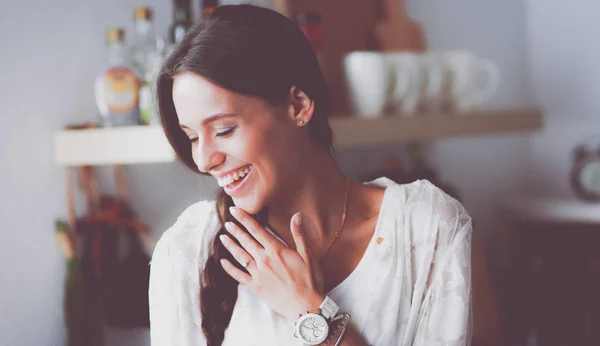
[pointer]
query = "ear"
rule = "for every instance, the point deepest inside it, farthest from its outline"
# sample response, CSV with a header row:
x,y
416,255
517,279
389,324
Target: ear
x,y
301,107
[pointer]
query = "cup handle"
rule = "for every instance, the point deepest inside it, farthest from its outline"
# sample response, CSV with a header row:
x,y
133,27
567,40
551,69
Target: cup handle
x,y
435,83
493,82
401,85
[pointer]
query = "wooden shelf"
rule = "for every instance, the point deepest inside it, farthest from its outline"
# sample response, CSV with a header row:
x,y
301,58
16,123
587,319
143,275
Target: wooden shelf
x,y
555,209
355,131
147,144
112,146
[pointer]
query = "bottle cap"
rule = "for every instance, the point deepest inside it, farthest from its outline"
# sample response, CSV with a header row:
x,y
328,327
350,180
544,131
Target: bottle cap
x,y
142,13
115,35
308,17
210,3
182,3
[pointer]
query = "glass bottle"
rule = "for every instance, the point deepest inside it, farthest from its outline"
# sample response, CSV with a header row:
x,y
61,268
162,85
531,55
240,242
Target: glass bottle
x,y
208,6
117,87
311,24
182,21
147,51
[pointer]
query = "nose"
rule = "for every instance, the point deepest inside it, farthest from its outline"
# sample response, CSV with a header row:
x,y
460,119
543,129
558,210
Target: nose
x,y
207,157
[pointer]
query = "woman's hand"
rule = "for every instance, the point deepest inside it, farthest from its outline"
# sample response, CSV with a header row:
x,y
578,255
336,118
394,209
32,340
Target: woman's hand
x,y
288,280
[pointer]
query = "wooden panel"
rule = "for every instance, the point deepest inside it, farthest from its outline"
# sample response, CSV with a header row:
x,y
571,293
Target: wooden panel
x,y
347,26
553,209
148,144
355,131
111,146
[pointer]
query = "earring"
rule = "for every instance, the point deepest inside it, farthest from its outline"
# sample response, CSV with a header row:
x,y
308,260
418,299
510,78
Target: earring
x,y
301,122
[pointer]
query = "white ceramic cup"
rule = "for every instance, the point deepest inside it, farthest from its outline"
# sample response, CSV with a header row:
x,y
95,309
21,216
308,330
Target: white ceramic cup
x,y
404,70
409,81
474,80
435,78
369,82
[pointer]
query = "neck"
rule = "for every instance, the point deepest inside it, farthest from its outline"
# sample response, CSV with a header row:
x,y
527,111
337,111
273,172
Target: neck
x,y
318,194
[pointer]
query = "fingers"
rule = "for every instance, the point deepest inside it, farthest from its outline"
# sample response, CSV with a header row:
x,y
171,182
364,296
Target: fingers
x,y
235,273
254,228
298,235
237,252
246,241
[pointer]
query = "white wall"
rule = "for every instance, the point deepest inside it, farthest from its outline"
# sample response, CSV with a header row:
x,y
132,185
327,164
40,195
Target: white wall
x,y
51,52
486,168
563,60
50,55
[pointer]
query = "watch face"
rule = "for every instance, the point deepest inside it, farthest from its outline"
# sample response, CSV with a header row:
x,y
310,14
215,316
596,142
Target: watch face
x,y
313,329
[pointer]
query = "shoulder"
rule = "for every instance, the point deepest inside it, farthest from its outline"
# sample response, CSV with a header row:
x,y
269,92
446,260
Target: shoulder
x,y
193,223
187,242
436,218
426,211
422,198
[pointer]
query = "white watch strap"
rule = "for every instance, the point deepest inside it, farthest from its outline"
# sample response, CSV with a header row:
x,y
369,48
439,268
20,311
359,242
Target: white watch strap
x,y
329,308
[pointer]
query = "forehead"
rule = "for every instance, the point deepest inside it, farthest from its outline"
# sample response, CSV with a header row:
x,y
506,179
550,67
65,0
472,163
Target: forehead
x,y
196,98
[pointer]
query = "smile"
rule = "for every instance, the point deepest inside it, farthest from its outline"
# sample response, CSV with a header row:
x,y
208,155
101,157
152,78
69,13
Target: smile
x,y
229,181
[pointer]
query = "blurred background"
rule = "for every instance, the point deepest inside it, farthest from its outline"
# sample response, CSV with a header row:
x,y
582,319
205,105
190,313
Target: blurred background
x,y
495,101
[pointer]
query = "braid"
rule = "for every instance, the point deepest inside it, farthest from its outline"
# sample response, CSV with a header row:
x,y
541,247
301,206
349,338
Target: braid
x,y
218,293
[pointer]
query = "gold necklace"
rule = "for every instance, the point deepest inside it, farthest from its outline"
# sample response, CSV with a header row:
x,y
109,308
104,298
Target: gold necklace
x,y
339,232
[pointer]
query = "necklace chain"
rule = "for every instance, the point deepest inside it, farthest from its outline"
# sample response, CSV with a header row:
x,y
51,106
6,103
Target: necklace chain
x,y
339,232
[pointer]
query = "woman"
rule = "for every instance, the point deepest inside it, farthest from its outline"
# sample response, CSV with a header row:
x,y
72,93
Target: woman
x,y
292,252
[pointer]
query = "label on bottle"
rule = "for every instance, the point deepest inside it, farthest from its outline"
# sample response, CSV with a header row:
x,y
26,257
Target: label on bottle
x,y
146,105
121,90
179,33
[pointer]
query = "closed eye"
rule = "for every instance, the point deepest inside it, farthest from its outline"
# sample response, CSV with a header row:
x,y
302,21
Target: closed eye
x,y
226,132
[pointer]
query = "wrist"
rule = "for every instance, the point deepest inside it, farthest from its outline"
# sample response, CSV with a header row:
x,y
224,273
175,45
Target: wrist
x,y
319,325
310,302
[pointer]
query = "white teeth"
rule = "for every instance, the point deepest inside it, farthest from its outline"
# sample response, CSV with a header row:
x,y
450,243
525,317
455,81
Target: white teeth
x,y
233,177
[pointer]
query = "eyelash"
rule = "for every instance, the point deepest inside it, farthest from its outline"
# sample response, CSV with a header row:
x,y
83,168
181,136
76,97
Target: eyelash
x,y
226,132
219,134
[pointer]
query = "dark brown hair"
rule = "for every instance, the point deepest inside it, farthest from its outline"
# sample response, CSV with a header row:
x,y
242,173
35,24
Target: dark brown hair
x,y
252,51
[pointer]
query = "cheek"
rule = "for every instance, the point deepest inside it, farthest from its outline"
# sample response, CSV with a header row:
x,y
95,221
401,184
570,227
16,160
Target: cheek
x,y
246,147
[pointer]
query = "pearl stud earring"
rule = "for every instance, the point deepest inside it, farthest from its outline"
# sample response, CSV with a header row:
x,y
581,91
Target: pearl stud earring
x,y
301,122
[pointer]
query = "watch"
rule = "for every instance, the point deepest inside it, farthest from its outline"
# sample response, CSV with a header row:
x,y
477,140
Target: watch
x,y
585,171
312,328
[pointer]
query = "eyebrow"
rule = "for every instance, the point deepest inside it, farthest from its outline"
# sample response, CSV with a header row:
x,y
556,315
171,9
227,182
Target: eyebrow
x,y
213,118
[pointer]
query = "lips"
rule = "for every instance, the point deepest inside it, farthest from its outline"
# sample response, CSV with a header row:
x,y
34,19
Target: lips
x,y
235,176
234,189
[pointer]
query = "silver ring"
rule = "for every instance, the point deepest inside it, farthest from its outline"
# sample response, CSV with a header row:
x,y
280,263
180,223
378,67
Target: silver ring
x,y
246,263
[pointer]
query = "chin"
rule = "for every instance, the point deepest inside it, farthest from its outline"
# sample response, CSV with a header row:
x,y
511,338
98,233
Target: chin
x,y
252,198
249,204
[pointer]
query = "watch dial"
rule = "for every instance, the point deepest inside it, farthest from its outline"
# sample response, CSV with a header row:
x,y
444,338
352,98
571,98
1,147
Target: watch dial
x,y
313,329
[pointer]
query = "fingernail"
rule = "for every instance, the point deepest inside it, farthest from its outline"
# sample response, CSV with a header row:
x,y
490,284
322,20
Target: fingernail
x,y
298,219
234,211
222,237
228,225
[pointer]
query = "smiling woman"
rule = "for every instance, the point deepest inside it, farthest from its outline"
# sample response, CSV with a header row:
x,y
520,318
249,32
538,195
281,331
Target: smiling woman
x,y
292,252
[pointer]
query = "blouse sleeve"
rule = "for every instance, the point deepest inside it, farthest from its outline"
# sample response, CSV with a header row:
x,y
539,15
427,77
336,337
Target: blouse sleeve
x,y
164,319
445,315
173,290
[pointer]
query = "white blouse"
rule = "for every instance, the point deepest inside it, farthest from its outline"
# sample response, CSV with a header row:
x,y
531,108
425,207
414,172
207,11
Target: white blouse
x,y
412,286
